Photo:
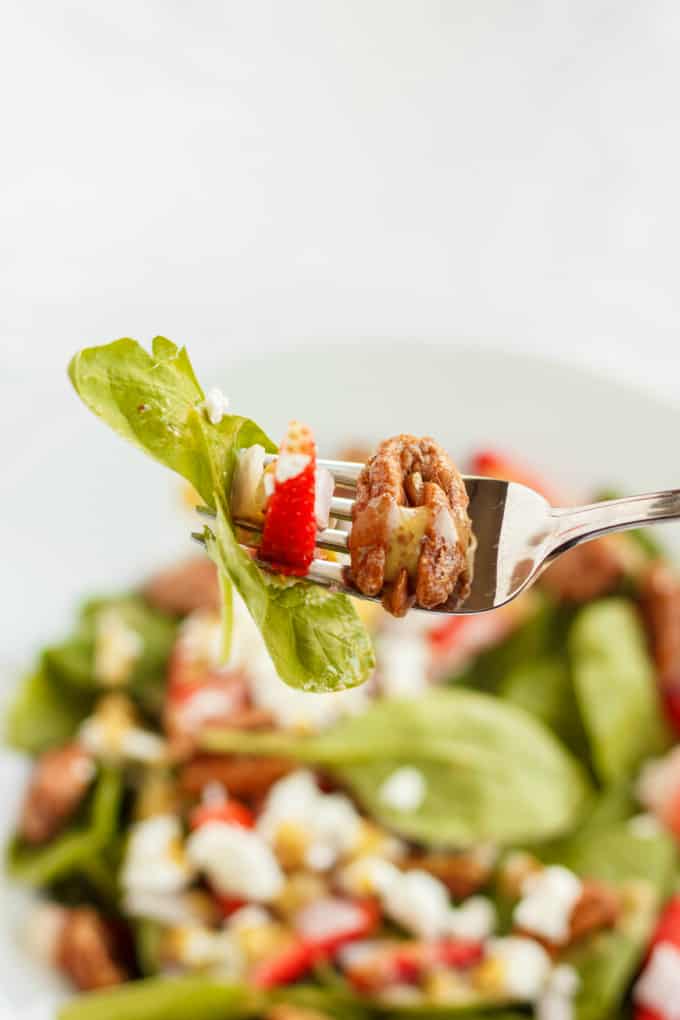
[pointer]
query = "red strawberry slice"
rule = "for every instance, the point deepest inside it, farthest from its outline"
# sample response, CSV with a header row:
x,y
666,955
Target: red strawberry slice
x,y
230,812
289,534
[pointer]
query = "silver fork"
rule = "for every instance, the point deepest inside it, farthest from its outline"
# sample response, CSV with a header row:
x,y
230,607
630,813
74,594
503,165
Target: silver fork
x,y
518,533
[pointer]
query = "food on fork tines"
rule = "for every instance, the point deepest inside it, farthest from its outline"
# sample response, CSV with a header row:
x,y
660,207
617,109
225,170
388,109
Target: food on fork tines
x,y
411,537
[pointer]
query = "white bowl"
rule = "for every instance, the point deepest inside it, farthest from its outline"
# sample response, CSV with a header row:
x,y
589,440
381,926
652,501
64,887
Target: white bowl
x,y
86,513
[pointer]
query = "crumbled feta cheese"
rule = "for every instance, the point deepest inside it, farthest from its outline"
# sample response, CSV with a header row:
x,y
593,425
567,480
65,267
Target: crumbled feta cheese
x,y
154,859
645,826
250,916
200,638
112,733
659,986
548,899
404,789
324,486
163,907
117,646
525,965
237,861
659,780
248,490
215,405
476,919
556,1002
323,918
418,902
329,820
198,948
205,704
403,661
290,465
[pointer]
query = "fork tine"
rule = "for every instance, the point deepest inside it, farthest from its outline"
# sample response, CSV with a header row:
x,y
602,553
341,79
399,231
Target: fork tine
x,y
328,539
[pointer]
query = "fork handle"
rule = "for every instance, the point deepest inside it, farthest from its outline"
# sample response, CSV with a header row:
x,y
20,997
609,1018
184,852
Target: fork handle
x,y
583,523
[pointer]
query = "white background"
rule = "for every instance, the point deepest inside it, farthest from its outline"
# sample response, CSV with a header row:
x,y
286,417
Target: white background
x,y
246,173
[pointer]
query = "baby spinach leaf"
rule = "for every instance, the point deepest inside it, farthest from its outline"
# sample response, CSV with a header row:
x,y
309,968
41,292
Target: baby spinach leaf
x,y
200,998
615,686
315,638
72,662
491,771
543,687
44,713
71,850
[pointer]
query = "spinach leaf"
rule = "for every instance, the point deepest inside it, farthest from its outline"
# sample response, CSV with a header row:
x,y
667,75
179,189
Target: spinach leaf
x,y
543,687
72,662
44,713
200,998
73,849
643,868
615,686
315,638
492,772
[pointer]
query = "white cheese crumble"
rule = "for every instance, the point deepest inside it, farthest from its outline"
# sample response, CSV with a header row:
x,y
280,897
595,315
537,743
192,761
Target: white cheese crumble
x,y
215,405
117,646
369,875
403,662
330,820
556,1001
475,919
659,986
248,488
418,902
548,899
112,734
198,948
404,789
165,908
525,964
237,861
326,917
290,465
200,637
154,859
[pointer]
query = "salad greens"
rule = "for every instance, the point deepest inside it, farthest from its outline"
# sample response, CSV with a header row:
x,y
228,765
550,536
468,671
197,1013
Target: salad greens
x,y
45,713
79,845
491,770
154,400
163,999
615,687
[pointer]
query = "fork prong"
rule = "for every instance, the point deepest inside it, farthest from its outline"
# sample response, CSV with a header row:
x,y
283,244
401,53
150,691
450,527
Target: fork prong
x,y
328,539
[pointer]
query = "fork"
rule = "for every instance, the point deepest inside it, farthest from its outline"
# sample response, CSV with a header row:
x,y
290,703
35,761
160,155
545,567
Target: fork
x,y
518,533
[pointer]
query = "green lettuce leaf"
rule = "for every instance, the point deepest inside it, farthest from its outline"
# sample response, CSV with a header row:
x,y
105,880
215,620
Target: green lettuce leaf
x,y
492,772
81,843
199,998
543,687
615,687
154,400
44,713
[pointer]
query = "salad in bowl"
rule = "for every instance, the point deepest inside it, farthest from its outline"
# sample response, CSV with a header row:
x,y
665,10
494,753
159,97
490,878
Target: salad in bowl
x,y
254,798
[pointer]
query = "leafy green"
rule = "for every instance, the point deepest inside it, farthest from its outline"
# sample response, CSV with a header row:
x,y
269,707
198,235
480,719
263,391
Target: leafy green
x,y
44,713
492,772
200,998
614,682
643,868
543,687
72,663
77,846
316,639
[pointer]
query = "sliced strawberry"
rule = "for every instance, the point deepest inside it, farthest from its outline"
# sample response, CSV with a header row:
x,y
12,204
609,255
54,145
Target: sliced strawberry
x,y
446,634
287,966
289,534
644,1013
407,962
668,925
459,953
228,905
231,812
494,464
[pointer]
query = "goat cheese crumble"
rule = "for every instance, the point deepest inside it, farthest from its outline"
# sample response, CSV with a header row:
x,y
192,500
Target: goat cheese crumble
x,y
237,861
404,789
659,986
548,899
215,405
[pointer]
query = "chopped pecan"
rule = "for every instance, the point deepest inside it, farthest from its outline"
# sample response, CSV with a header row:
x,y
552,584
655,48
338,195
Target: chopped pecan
x,y
182,588
661,609
59,783
586,571
407,472
463,873
244,776
85,951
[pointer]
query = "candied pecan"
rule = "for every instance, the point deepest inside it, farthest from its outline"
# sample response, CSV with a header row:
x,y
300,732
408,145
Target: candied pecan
x,y
182,588
59,783
246,776
661,609
463,872
86,952
586,571
410,472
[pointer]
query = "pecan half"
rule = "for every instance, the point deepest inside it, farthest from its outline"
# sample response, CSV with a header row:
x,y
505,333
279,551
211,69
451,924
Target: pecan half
x,y
586,571
59,783
86,952
182,588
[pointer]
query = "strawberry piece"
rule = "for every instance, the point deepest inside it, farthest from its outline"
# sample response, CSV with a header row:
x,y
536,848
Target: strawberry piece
x,y
231,812
668,925
644,1013
286,966
446,634
408,962
459,953
228,905
494,464
289,534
